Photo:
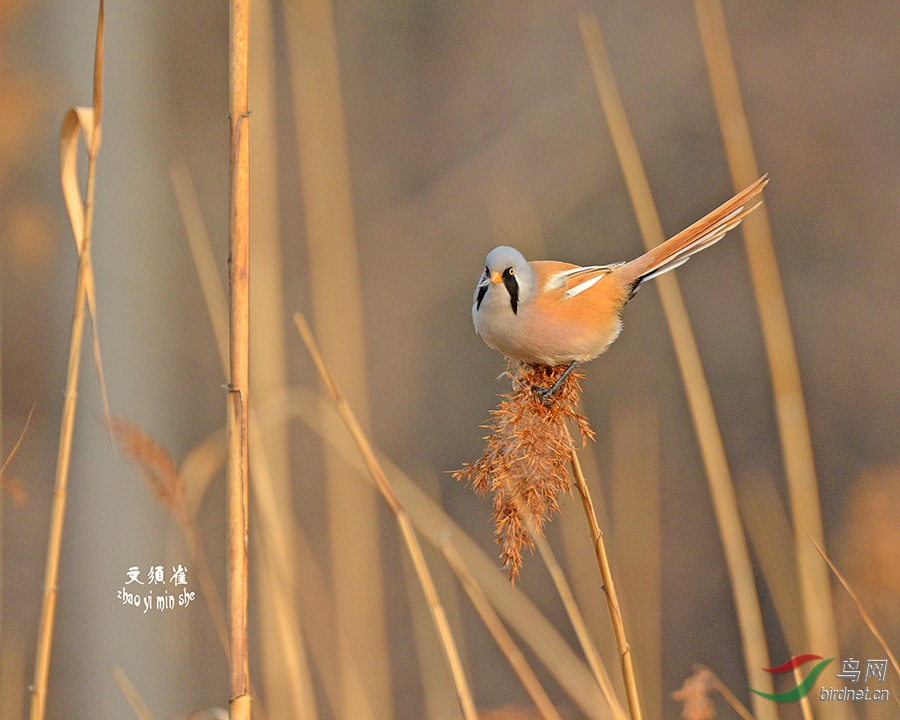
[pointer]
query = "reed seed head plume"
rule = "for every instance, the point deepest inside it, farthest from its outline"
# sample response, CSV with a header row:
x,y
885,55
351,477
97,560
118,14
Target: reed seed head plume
x,y
695,695
524,461
15,488
155,463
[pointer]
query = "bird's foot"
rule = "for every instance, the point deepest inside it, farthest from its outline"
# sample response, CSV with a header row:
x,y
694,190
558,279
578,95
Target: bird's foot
x,y
546,393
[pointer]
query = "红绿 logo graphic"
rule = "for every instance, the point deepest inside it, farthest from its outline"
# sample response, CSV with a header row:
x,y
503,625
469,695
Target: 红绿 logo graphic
x,y
804,687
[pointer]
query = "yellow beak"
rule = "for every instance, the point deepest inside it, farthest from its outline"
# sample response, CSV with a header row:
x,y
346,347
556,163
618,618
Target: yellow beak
x,y
496,277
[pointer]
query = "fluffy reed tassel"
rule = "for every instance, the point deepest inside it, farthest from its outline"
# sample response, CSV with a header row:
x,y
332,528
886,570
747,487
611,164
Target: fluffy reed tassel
x,y
524,460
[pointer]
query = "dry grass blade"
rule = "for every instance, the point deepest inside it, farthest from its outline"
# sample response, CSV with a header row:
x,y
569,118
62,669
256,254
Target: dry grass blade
x,y
466,702
204,259
500,634
581,631
790,410
740,568
81,210
15,448
131,694
76,121
865,616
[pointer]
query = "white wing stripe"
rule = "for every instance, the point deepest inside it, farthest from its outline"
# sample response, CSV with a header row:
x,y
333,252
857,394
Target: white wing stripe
x,y
581,287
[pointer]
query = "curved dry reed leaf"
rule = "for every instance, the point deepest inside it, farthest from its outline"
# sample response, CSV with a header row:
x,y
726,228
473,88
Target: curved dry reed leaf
x,y
77,122
201,464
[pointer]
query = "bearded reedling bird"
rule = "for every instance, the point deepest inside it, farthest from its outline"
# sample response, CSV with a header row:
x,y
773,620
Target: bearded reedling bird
x,y
546,312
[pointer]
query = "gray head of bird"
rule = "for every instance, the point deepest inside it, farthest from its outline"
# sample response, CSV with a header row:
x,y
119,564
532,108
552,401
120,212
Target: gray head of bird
x,y
507,281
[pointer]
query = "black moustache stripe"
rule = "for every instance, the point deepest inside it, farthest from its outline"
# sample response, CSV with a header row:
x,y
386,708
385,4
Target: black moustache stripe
x,y
512,286
482,291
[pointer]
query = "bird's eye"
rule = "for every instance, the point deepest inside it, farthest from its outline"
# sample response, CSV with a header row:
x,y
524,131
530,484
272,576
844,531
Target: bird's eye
x,y
510,271
487,272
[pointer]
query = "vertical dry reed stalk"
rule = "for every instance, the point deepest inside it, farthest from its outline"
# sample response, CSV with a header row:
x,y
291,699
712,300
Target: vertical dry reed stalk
x,y
280,539
237,465
81,218
609,589
268,365
769,530
467,704
790,410
337,315
737,556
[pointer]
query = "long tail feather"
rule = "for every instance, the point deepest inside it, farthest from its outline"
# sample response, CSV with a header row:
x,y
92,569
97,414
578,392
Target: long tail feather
x,y
699,236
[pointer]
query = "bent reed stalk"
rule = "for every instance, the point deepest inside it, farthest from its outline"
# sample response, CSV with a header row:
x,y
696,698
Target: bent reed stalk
x,y
81,218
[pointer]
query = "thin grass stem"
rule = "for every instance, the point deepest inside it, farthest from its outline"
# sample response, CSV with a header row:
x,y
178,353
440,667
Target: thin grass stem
x,y
579,625
131,694
500,634
467,704
859,606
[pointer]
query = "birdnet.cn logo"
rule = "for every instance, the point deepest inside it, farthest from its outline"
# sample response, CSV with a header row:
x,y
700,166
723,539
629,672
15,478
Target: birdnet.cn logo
x,y
875,670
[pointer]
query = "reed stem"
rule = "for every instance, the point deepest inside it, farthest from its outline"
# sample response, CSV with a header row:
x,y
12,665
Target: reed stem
x,y
82,221
712,449
237,466
609,590
790,408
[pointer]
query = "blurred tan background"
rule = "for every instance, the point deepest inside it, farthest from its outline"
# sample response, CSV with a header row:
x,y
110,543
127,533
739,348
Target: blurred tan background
x,y
467,125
